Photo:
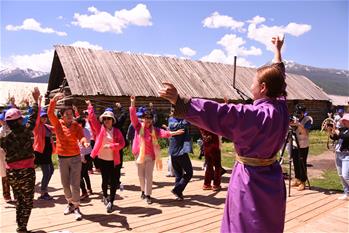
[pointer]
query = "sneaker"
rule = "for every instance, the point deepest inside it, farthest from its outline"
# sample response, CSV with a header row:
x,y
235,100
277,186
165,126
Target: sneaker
x,y
83,196
206,187
109,207
295,183
105,201
301,187
142,196
344,197
148,199
69,209
179,196
77,213
45,197
216,188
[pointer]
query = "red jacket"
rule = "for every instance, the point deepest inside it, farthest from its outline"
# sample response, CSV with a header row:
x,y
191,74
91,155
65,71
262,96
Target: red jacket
x,y
40,134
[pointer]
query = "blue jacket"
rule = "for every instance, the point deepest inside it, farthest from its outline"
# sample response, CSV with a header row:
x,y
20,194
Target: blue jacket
x,y
180,144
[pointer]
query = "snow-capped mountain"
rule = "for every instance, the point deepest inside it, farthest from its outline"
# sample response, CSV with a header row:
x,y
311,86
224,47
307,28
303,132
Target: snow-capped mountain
x,y
332,81
23,75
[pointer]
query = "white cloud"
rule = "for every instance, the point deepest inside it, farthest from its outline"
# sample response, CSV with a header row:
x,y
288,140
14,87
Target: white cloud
x,y
263,33
218,55
39,61
102,21
188,52
31,24
85,44
60,17
217,21
234,46
256,20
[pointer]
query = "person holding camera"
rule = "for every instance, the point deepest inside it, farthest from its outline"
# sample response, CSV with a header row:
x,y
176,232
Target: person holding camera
x,y
301,125
342,153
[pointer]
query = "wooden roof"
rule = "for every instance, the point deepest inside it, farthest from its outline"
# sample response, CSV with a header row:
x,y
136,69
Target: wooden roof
x,y
98,72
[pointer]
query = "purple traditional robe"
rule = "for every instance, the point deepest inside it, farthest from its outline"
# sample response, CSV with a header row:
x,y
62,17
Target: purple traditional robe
x,y
256,199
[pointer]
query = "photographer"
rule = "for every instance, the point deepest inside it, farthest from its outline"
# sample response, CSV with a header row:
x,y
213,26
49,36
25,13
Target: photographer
x,y
342,153
301,125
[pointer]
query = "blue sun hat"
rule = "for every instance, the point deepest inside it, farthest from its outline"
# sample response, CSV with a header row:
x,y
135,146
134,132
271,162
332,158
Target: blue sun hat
x,y
109,109
43,113
2,116
141,110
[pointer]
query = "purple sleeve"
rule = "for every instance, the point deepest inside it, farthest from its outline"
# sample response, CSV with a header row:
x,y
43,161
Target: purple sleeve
x,y
227,120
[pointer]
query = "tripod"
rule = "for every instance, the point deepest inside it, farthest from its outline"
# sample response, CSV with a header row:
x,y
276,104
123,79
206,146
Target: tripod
x,y
291,135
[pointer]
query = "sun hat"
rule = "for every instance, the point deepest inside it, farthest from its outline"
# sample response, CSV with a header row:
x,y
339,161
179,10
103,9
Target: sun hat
x,y
13,114
345,117
107,114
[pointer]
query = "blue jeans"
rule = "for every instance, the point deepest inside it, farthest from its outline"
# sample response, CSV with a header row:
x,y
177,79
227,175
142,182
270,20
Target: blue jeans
x,y
47,172
183,171
342,164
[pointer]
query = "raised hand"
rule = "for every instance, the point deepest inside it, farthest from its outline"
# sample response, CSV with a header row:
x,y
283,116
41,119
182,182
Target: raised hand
x,y
58,96
118,105
88,102
36,94
278,41
169,92
133,101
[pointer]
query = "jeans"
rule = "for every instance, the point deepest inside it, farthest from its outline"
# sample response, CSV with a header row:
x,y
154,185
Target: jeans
x,y
342,164
183,171
47,172
169,166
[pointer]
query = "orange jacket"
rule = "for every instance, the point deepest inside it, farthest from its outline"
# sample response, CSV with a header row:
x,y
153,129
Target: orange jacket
x,y
66,138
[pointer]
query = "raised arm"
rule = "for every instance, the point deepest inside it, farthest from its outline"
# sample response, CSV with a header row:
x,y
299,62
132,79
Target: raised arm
x,y
95,125
33,117
51,110
278,43
37,122
133,116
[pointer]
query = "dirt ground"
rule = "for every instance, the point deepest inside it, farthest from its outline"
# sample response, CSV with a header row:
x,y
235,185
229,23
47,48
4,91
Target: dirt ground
x,y
321,163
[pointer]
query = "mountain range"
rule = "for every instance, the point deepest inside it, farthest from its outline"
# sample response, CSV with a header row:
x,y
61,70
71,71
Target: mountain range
x,y
332,81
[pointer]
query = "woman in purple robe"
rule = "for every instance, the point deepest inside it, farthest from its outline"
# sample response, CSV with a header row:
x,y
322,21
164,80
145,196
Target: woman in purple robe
x,y
256,199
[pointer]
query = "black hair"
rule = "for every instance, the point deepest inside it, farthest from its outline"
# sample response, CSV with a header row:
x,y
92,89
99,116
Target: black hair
x,y
66,108
147,113
81,121
300,108
14,124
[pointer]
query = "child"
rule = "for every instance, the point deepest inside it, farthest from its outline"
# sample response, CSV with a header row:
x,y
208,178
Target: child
x,y
85,160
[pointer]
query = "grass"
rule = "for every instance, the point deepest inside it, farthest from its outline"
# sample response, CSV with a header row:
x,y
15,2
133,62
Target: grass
x,y
329,181
317,146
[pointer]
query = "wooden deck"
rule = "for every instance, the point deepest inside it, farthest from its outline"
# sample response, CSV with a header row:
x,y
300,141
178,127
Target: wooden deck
x,y
201,211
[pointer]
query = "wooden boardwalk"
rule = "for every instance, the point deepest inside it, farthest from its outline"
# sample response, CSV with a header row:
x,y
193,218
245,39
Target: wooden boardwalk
x,y
201,211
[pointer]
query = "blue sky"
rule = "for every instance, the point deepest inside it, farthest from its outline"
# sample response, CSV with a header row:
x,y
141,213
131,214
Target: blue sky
x,y
316,31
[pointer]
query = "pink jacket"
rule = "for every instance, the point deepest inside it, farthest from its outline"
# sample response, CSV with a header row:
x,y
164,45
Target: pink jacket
x,y
149,150
118,138
40,134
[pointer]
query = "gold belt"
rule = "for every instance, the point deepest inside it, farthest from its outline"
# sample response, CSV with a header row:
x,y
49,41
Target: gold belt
x,y
255,162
